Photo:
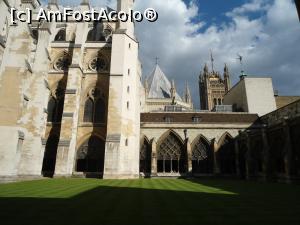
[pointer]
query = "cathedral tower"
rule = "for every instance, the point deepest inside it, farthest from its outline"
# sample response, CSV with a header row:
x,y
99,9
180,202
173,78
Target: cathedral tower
x,y
213,87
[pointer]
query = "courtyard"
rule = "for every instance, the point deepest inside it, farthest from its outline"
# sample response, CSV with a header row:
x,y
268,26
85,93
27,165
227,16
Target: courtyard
x,y
148,201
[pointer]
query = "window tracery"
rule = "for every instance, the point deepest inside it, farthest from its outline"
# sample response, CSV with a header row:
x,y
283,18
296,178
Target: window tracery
x,y
62,63
98,64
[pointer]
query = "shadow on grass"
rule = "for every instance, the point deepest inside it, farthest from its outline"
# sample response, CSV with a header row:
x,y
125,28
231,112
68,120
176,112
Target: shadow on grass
x,y
252,204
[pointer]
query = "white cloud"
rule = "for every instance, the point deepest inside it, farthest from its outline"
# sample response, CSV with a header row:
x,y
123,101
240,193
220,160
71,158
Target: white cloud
x,y
269,43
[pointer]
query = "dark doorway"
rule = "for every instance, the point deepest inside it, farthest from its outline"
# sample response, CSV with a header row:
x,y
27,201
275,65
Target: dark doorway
x,y
90,156
226,156
145,158
49,160
202,157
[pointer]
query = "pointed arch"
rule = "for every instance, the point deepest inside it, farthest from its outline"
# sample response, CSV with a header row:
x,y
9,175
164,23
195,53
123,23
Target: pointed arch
x,y
90,156
61,35
52,106
145,156
88,111
224,137
202,156
171,154
167,133
226,155
96,33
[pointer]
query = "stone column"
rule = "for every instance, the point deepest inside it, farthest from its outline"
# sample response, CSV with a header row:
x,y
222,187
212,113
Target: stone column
x,y
214,147
68,136
154,158
266,154
288,159
249,168
237,153
189,156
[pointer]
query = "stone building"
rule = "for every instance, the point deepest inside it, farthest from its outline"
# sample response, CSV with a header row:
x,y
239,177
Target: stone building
x,y
159,94
69,96
213,87
72,104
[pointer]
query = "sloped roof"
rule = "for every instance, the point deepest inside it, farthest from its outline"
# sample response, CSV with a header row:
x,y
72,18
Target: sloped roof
x,y
159,85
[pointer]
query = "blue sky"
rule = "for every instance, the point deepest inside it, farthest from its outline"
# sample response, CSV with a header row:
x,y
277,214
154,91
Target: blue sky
x,y
265,32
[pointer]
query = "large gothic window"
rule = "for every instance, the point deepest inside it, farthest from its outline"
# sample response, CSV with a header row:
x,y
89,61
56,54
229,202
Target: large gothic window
x,y
94,108
62,63
226,156
88,110
202,157
96,34
171,157
145,157
90,156
50,156
61,35
56,106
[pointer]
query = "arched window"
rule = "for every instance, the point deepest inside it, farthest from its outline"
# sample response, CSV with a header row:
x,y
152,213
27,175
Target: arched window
x,y
99,116
219,101
88,110
202,157
62,63
171,157
51,109
96,34
61,35
215,101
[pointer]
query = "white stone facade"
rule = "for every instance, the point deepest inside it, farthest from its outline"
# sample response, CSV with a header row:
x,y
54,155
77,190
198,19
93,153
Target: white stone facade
x,y
253,95
62,66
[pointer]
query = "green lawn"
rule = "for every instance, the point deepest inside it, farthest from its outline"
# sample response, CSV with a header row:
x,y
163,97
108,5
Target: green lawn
x,y
149,201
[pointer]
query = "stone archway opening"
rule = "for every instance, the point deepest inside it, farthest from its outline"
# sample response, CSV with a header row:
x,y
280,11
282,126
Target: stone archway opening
x,y
226,156
145,158
90,157
202,157
171,156
49,160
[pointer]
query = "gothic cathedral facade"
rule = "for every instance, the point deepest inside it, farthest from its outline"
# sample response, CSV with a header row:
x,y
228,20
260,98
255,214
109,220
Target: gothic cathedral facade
x,y
69,96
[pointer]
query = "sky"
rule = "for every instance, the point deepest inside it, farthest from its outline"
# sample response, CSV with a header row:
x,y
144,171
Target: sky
x,y
265,32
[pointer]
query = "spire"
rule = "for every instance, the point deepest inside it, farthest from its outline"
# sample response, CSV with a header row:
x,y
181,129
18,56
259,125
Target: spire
x,y
187,94
226,71
85,5
227,81
212,61
173,92
53,4
85,2
205,70
146,88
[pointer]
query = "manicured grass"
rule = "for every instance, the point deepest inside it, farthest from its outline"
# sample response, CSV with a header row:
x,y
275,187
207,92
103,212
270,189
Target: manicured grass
x,y
148,202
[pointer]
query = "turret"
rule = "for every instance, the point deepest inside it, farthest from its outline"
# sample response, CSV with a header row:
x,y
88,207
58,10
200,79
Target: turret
x,y
126,6
146,88
173,91
53,4
85,5
227,79
187,95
